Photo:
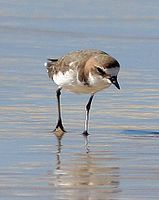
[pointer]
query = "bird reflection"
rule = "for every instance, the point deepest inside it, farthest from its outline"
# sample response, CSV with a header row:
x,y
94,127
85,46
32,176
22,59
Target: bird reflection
x,y
59,134
86,139
85,174
58,154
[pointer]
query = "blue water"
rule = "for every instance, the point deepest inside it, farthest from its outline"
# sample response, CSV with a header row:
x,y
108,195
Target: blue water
x,y
121,161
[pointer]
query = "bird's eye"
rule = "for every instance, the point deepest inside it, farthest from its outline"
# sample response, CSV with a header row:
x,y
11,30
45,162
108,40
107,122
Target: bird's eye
x,y
100,71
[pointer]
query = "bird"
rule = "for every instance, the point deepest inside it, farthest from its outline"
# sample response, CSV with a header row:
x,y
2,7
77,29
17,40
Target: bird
x,y
85,71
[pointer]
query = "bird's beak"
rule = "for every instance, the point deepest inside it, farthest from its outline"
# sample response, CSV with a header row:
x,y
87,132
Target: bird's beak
x,y
113,80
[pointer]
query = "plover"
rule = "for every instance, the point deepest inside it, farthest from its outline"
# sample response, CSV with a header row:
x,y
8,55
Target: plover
x,y
85,71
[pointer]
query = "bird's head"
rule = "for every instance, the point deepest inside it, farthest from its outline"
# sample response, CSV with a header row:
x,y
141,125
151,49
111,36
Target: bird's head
x,y
108,69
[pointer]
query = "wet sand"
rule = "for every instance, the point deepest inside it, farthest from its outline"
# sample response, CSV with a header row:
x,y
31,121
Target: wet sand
x,y
121,161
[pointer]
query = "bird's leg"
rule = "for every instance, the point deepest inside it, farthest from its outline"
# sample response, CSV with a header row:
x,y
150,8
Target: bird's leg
x,y
59,122
88,106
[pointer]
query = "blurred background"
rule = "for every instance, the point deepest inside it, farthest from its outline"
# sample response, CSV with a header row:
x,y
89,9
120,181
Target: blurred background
x,y
122,162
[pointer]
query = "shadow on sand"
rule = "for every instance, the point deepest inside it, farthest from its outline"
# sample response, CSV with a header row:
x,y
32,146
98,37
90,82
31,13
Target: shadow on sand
x,y
141,133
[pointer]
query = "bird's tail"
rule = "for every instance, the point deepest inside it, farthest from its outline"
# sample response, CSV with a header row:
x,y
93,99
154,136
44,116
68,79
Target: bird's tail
x,y
50,66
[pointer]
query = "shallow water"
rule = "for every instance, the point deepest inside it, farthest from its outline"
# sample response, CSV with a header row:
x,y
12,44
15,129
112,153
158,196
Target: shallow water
x,y
121,160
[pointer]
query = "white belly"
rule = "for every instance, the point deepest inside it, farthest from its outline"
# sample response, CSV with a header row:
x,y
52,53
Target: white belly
x,y
69,81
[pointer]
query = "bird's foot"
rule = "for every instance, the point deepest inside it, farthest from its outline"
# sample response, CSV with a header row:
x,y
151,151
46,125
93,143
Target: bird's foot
x,y
59,126
85,133
59,132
